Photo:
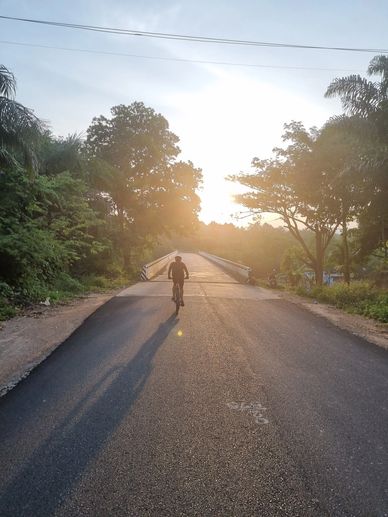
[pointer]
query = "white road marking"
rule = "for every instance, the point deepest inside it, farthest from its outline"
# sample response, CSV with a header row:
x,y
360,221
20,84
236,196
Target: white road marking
x,y
255,409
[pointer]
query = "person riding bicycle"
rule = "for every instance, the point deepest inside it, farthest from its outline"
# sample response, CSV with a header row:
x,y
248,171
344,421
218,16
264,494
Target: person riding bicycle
x,y
178,272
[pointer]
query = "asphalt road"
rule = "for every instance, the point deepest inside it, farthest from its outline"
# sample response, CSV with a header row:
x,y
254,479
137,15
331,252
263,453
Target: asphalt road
x,y
243,405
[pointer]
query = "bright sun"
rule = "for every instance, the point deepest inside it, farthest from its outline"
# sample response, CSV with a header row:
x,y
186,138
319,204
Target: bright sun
x,y
217,202
229,122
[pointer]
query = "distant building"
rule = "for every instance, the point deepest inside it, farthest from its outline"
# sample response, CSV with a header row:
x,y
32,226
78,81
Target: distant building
x,y
332,278
328,278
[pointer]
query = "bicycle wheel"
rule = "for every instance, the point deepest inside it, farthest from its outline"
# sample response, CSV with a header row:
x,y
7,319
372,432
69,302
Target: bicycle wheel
x,y
177,299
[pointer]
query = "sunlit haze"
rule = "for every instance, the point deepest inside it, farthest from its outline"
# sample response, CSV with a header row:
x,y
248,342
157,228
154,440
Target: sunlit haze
x,y
223,115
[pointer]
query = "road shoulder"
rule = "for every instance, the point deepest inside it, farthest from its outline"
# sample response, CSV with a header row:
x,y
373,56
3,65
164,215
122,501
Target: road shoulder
x,y
25,341
366,328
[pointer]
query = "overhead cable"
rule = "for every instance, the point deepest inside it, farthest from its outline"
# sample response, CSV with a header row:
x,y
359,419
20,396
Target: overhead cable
x,y
176,59
191,38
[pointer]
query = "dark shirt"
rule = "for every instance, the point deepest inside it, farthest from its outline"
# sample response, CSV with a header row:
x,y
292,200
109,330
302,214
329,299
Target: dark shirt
x,y
177,270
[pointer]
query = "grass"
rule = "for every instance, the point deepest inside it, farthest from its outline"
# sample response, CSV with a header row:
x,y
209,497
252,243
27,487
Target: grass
x,y
357,298
64,289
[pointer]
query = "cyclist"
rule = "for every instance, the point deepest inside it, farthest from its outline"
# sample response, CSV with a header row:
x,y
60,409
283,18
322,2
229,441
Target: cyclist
x,y
178,272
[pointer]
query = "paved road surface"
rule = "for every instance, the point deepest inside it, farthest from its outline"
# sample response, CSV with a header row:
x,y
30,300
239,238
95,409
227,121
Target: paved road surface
x,y
243,405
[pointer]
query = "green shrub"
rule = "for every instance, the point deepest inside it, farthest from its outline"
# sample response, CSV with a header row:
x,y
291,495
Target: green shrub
x,y
96,282
7,310
6,291
302,291
66,283
377,309
358,297
32,290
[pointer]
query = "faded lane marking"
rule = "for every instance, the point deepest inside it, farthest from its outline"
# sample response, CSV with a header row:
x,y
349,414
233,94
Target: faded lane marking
x,y
255,409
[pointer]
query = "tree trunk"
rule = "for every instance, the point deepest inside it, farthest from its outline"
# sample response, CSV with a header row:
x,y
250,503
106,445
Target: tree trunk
x,y
319,257
346,251
124,249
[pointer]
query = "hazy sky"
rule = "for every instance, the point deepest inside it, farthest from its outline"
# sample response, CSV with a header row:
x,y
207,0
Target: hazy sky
x,y
224,115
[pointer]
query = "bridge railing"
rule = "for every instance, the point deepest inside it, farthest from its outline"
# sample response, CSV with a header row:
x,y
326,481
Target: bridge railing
x,y
153,268
240,271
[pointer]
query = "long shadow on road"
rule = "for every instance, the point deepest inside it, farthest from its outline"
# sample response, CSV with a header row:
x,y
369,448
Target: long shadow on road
x,y
44,482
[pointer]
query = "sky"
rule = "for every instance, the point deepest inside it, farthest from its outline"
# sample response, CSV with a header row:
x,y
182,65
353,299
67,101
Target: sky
x,y
224,115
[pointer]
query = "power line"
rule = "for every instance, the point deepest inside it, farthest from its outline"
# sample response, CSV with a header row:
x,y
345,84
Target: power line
x,y
176,59
185,37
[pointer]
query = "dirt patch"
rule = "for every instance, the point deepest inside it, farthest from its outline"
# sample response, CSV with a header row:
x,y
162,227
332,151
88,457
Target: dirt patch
x,y
372,331
25,341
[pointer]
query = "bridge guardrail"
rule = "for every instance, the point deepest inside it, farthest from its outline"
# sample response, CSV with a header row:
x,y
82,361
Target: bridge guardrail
x,y
239,270
151,269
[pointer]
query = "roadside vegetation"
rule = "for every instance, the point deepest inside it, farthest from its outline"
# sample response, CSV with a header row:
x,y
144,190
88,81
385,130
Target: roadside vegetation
x,y
80,215
358,298
329,187
333,180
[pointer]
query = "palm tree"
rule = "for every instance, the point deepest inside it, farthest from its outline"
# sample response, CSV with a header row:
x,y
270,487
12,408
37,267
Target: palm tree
x,y
20,129
358,95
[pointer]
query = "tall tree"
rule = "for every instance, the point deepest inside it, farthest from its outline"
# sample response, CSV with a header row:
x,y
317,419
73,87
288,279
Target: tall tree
x,y
337,152
133,154
296,184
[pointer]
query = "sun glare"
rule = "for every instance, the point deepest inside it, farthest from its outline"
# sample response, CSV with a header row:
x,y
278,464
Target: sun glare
x,y
217,200
229,122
